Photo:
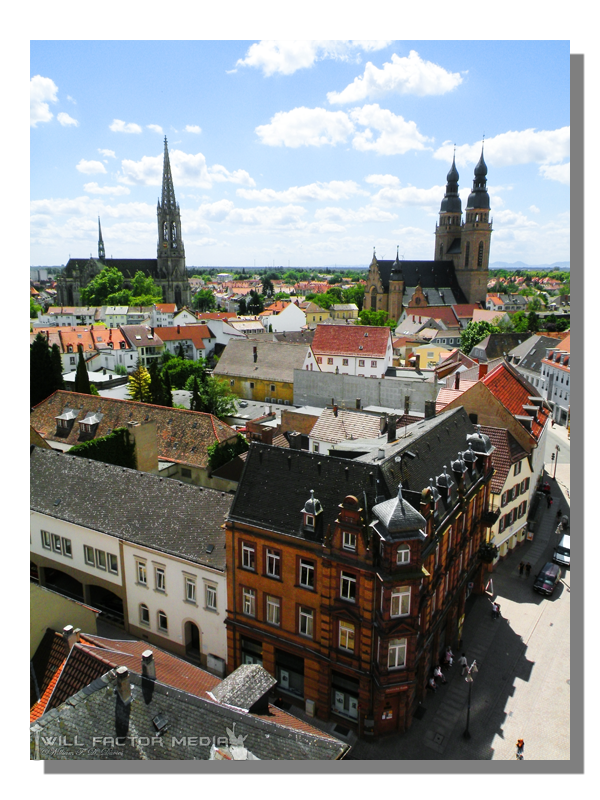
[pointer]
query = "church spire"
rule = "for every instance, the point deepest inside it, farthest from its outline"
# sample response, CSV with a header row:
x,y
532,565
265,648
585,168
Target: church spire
x,y
451,202
168,192
479,197
100,242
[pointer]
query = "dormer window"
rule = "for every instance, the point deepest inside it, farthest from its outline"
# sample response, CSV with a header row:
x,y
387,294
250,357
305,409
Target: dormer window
x,y
349,541
403,554
309,521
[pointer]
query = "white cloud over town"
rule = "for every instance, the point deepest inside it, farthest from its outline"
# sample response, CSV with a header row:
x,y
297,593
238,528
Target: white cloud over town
x,y
42,92
402,75
107,153
90,167
188,169
65,120
119,126
94,188
513,148
193,129
333,190
286,57
557,172
155,128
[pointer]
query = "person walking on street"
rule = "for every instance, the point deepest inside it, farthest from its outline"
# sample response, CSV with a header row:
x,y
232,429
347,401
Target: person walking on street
x,y
432,684
528,568
449,657
549,500
520,748
521,568
439,675
463,664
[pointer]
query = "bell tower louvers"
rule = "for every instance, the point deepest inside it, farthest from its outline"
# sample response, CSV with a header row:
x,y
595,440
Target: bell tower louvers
x,y
171,274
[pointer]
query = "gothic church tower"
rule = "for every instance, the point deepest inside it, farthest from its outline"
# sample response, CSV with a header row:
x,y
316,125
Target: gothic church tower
x,y
171,275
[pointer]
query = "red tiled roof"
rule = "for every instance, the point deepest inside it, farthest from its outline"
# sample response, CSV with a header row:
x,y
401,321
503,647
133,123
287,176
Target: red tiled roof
x,y
193,333
513,391
508,452
214,315
346,340
166,308
444,313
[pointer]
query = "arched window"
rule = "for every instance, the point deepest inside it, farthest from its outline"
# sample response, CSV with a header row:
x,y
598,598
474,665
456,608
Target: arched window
x,y
441,252
480,255
144,614
467,249
166,232
373,298
163,624
173,232
397,653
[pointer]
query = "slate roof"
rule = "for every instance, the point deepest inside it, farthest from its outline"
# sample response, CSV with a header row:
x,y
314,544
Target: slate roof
x,y
351,340
345,425
246,685
397,516
495,345
430,274
160,513
182,436
276,361
97,711
529,354
286,477
508,452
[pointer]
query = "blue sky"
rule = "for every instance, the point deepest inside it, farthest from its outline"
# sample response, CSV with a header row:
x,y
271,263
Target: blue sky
x,y
307,153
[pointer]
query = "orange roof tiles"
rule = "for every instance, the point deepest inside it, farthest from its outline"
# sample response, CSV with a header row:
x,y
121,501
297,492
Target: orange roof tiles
x,y
348,339
194,333
514,392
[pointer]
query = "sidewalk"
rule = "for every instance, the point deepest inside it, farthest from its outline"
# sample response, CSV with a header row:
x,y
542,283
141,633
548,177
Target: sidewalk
x,y
502,649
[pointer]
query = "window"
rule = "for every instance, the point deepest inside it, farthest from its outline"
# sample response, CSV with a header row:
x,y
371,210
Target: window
x,y
346,636
252,384
309,521
403,554
373,364
524,485
400,605
330,360
46,540
273,564
190,590
163,624
504,499
349,541
522,509
344,362
144,615
348,587
159,578
248,556
249,602
502,524
307,574
272,388
142,576
397,653
186,473
518,466
316,447
210,596
306,622
113,564
56,546
273,610
88,555
101,559
319,360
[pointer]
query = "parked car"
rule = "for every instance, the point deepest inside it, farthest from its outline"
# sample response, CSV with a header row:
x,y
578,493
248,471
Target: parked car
x,y
547,578
243,404
562,553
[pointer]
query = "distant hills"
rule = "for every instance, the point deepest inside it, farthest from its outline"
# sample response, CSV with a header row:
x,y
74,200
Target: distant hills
x,y
521,265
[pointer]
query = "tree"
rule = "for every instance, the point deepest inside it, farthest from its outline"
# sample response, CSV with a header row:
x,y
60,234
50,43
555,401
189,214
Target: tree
x,y
168,391
157,387
139,385
519,322
56,361
142,287
267,286
474,333
41,379
107,282
533,322
255,304
34,309
217,398
180,353
242,310
535,304
196,400
379,319
204,300
82,381
93,390
180,370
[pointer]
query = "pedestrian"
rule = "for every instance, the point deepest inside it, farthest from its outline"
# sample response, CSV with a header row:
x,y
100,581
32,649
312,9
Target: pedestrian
x,y
439,675
521,568
449,657
520,748
558,513
549,500
463,664
528,568
432,685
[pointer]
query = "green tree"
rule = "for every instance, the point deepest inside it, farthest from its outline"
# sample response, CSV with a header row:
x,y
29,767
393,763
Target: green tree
x,y
354,294
474,333
255,304
144,287
139,385
217,398
41,378
168,396
519,322
242,309
379,319
533,322
107,282
196,400
180,370
180,353
204,300
94,390
34,309
563,323
221,453
157,388
82,381
535,304
56,361
267,286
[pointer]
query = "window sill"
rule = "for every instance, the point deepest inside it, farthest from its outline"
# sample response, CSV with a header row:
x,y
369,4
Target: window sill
x,y
141,585
212,610
272,577
190,602
161,591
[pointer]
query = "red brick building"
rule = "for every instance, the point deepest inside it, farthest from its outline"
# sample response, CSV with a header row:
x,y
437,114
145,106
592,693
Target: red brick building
x,y
347,578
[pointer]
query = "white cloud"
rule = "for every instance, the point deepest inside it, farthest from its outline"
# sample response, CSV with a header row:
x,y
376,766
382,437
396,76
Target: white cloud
x,y
41,92
534,209
334,190
557,172
119,126
513,148
65,119
410,196
155,128
383,180
107,153
396,135
216,212
286,217
188,170
193,129
90,167
286,57
354,216
71,100
407,75
93,188
306,126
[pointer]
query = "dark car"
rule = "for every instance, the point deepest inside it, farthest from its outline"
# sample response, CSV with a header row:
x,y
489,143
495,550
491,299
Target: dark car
x,y
547,578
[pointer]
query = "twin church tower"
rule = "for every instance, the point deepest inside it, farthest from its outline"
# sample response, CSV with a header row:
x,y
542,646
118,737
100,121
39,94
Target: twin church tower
x,y
167,269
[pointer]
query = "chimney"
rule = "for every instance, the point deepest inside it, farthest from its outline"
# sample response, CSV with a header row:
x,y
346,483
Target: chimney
x,y
335,411
71,635
417,363
382,424
457,380
179,329
123,685
152,332
358,403
429,409
255,353
148,665
483,368
391,431
406,404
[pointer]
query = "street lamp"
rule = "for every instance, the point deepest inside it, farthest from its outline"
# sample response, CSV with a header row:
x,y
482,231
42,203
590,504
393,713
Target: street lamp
x,y
556,461
472,670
